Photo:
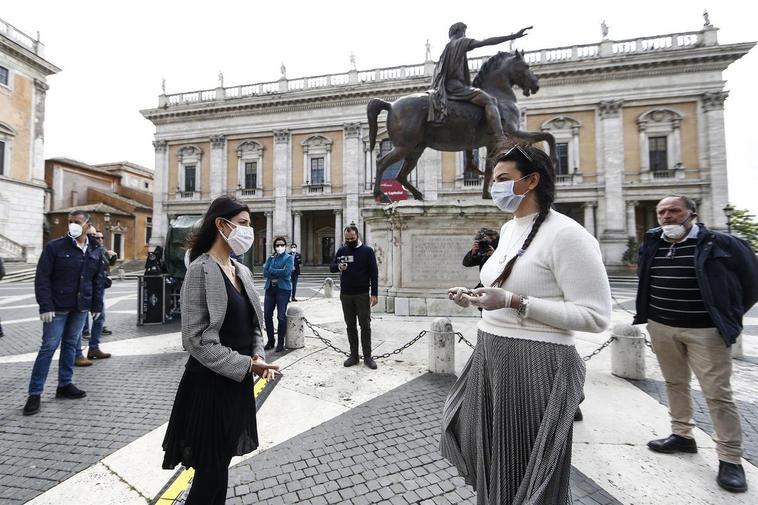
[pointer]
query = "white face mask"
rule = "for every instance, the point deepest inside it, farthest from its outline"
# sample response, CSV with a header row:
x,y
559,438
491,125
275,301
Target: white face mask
x,y
294,249
75,230
240,239
280,249
504,197
675,231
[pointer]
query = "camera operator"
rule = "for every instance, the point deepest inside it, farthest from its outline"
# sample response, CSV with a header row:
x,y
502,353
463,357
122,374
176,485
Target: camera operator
x,y
484,245
358,292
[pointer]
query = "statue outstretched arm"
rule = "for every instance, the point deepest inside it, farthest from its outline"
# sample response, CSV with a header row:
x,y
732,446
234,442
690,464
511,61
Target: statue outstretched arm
x,y
492,41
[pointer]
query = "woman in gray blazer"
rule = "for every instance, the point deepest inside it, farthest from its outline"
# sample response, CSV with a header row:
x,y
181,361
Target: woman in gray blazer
x,y
213,417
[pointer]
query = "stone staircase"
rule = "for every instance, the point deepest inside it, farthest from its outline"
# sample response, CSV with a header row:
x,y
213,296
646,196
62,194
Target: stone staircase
x,y
10,250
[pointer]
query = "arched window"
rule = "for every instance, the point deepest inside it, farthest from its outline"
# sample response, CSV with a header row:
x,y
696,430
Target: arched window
x,y
250,169
565,129
189,160
317,164
660,144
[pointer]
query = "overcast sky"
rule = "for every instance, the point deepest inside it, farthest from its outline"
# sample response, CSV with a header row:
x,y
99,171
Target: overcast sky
x,y
114,55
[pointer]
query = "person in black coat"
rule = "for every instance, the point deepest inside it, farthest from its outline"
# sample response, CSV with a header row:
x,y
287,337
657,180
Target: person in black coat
x,y
69,283
296,270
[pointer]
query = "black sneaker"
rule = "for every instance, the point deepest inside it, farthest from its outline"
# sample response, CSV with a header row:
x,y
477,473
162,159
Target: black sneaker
x,y
578,416
69,391
107,331
268,346
85,333
32,405
369,362
351,360
732,477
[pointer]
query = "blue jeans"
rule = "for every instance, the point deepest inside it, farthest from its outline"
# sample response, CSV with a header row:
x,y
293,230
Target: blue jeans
x,y
95,334
295,276
65,330
278,298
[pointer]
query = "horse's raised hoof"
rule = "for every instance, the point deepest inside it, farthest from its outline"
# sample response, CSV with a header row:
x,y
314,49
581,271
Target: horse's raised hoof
x,y
382,198
418,196
486,195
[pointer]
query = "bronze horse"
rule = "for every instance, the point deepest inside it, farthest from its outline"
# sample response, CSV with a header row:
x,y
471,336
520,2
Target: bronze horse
x,y
465,128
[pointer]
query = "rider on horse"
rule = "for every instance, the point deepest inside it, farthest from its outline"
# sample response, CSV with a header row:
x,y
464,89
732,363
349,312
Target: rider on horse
x,y
452,80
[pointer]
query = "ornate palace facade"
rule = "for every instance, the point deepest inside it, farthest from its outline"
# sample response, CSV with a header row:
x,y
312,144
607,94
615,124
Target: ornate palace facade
x,y
634,120
23,72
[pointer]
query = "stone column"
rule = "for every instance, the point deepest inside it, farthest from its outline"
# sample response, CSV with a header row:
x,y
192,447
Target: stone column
x,y
282,168
713,109
311,242
589,217
612,235
430,171
38,142
577,168
631,219
160,194
269,233
352,165
676,148
297,235
644,152
217,168
338,235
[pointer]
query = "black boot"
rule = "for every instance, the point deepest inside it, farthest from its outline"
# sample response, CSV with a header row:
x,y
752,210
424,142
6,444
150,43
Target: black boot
x,y
732,477
351,360
32,405
578,416
366,346
672,444
269,345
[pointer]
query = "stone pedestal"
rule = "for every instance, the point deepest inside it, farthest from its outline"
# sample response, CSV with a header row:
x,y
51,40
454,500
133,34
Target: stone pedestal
x,y
442,347
295,338
328,287
628,352
419,248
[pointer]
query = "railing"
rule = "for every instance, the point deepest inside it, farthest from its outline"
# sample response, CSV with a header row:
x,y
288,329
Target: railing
x,y
663,174
21,38
12,248
314,188
423,71
246,192
473,182
564,178
187,195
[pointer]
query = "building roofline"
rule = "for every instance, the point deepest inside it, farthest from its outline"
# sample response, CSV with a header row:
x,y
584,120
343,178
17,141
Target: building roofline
x,y
80,164
125,165
30,50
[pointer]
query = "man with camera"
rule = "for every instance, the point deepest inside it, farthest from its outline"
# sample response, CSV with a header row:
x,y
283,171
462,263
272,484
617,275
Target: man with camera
x,y
484,245
358,292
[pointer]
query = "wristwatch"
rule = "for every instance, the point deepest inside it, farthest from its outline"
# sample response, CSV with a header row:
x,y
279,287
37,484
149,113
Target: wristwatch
x,y
522,308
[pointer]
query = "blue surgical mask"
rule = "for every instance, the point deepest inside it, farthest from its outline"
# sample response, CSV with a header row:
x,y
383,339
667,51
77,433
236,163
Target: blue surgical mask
x,y
505,198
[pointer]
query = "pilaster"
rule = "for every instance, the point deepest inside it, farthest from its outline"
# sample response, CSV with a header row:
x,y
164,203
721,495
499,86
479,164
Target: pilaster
x,y
160,194
713,110
282,168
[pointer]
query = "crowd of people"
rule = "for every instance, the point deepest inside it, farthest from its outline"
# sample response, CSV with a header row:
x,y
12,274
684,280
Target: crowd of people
x,y
508,420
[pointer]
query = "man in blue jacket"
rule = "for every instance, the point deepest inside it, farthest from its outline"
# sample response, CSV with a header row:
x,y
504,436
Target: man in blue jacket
x,y
357,263
68,284
695,285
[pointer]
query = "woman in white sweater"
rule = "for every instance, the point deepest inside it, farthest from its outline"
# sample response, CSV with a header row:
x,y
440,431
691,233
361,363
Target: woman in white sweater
x,y
508,421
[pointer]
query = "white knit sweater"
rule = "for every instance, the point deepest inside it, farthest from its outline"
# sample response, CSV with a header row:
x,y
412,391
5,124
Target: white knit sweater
x,y
561,272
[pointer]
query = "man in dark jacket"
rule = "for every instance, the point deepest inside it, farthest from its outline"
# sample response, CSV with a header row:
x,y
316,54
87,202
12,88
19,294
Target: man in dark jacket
x,y
295,271
360,275
695,285
68,284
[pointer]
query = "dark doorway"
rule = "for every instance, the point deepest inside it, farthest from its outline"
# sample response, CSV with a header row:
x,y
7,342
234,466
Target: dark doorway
x,y
327,250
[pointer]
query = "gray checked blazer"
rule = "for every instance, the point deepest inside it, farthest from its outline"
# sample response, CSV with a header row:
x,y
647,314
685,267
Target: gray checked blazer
x,y
204,302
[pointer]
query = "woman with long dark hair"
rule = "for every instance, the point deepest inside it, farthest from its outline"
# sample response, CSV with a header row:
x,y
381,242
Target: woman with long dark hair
x,y
213,418
508,421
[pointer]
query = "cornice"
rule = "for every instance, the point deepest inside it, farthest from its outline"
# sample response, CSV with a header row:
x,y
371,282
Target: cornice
x,y
632,66
29,58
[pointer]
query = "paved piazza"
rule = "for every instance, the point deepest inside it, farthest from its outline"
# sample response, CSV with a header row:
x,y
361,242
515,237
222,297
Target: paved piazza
x,y
329,435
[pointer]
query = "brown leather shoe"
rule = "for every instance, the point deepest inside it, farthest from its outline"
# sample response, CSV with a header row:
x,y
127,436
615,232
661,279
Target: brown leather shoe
x,y
98,354
82,361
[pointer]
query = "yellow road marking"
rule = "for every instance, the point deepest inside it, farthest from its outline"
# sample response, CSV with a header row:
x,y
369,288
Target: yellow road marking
x,y
176,488
182,481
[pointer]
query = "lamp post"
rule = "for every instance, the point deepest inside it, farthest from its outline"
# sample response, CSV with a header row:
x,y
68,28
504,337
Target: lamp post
x,y
107,221
728,211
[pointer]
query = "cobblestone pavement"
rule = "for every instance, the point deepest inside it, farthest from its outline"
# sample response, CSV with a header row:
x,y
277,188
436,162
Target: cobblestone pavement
x,y
126,398
383,452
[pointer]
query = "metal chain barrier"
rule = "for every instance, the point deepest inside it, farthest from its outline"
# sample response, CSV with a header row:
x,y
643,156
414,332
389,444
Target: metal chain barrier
x,y
316,293
463,339
599,349
336,349
618,304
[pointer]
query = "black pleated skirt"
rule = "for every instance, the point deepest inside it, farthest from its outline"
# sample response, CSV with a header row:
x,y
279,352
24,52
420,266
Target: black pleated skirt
x,y
508,421
213,419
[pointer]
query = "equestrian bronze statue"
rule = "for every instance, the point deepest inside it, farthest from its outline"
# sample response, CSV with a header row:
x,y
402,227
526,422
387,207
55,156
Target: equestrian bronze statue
x,y
454,115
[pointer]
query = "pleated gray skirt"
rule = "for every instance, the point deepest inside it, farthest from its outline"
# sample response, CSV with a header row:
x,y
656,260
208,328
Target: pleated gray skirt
x,y
507,424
